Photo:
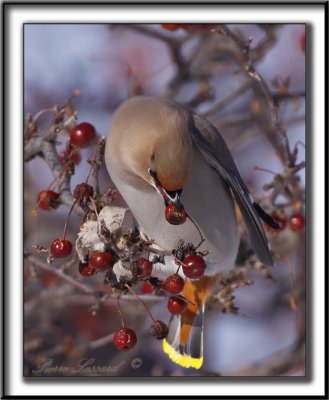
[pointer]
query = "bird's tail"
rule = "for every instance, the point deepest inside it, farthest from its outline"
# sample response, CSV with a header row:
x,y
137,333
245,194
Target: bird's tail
x,y
184,343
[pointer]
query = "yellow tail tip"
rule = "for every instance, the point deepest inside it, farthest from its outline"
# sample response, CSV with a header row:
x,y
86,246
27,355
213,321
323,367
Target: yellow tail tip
x,y
181,359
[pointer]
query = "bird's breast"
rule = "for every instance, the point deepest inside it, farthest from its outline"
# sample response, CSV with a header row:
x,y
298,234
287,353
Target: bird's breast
x,y
207,200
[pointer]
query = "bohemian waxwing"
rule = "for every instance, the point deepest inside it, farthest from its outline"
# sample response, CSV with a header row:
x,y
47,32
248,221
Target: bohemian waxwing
x,y
160,151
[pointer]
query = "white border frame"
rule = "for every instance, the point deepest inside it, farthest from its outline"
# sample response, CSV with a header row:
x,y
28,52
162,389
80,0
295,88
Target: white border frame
x,y
311,14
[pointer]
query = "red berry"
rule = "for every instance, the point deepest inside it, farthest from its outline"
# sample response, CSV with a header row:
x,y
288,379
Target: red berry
x,y
124,339
66,158
172,27
174,216
194,266
174,284
61,248
147,288
176,305
142,269
297,222
159,329
101,260
86,270
281,220
82,134
83,190
47,200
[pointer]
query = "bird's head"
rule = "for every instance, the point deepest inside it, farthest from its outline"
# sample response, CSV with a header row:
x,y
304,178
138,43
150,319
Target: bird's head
x,y
150,141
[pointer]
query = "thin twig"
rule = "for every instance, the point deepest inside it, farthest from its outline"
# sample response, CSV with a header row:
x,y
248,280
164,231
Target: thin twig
x,y
119,307
221,104
139,299
278,134
60,274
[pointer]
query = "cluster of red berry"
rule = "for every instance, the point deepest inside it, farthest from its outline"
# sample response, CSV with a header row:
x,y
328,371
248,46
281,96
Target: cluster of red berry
x,y
191,262
193,267
81,136
126,338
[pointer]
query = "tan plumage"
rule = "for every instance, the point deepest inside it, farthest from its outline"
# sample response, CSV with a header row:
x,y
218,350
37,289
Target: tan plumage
x,y
140,131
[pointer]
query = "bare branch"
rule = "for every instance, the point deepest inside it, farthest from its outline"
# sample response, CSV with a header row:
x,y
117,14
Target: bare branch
x,y
36,262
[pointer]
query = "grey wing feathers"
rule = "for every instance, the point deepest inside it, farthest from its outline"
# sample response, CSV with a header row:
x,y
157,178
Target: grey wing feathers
x,y
215,151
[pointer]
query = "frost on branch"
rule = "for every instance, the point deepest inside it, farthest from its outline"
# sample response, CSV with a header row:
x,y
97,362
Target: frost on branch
x,y
119,223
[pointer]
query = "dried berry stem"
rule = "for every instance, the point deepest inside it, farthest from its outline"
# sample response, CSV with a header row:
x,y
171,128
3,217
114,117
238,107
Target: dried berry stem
x,y
44,111
55,180
196,225
292,298
139,299
264,170
59,273
119,307
96,165
68,217
178,269
94,162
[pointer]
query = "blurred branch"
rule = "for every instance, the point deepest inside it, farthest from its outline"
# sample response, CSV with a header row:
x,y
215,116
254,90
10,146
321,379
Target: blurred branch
x,y
35,344
221,104
277,135
95,167
155,34
36,262
267,43
60,274
277,364
277,97
174,45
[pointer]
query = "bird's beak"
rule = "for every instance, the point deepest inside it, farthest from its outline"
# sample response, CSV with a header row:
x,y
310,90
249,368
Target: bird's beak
x,y
168,197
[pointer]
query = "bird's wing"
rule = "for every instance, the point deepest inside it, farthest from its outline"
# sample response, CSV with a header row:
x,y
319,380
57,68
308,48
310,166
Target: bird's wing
x,y
215,151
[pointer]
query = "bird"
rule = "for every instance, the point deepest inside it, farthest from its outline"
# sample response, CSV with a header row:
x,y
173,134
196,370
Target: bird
x,y
158,152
